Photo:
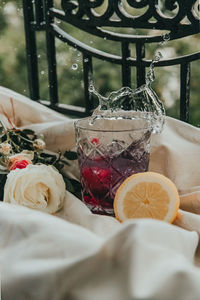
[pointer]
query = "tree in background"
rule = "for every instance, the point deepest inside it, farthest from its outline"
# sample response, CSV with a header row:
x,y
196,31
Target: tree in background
x,y
13,70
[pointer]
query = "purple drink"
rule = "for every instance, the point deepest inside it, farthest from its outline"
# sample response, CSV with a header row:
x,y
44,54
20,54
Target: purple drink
x,y
108,156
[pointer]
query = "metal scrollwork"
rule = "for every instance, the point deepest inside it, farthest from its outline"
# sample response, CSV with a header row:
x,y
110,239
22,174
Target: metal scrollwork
x,y
170,22
118,14
170,4
94,3
69,6
136,4
72,9
192,15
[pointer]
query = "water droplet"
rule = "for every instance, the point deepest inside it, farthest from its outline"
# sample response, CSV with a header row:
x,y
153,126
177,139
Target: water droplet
x,y
58,21
74,67
91,42
91,88
24,91
105,38
86,60
39,55
79,54
166,38
42,72
157,56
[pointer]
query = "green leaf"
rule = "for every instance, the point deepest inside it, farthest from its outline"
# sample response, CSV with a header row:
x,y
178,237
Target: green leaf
x,y
69,186
73,186
59,166
3,178
28,131
44,154
3,138
71,155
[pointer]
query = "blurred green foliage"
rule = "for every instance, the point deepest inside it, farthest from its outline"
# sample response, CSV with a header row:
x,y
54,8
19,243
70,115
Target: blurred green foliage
x,y
107,77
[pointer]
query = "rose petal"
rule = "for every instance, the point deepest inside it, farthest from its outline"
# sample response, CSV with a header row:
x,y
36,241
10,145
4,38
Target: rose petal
x,y
36,186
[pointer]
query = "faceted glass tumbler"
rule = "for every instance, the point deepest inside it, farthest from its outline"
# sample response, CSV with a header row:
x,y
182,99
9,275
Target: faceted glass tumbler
x,y
109,151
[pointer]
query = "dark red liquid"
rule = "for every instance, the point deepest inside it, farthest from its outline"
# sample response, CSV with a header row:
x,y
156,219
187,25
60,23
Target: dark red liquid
x,y
101,174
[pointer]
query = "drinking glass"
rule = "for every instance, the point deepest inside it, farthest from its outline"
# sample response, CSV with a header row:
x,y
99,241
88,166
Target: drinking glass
x,y
110,150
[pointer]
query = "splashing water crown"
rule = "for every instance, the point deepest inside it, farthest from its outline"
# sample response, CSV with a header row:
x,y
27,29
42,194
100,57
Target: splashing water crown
x,y
129,103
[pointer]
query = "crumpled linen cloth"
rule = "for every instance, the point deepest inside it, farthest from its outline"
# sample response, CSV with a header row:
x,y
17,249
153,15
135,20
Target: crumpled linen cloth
x,y
76,255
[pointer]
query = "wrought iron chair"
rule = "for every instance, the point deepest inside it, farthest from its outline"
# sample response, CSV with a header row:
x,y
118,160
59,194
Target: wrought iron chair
x,y
40,15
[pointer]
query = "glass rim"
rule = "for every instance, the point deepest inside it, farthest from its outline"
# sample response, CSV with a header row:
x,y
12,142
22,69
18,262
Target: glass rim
x,y
86,128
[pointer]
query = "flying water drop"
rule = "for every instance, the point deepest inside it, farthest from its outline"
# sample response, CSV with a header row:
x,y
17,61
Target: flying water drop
x,y
165,39
150,76
74,67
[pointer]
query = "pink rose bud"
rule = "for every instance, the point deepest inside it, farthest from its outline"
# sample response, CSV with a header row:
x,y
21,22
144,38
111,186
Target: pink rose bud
x,y
20,164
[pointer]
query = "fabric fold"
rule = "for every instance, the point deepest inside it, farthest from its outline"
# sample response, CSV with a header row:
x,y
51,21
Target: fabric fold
x,y
78,255
50,258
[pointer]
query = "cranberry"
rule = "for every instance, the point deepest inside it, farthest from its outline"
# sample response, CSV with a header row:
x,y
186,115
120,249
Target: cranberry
x,y
95,141
97,180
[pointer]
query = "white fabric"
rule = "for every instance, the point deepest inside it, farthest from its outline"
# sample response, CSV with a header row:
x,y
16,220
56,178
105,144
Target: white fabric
x,y
77,255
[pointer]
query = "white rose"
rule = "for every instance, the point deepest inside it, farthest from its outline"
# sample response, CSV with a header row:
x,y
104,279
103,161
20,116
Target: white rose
x,y
36,186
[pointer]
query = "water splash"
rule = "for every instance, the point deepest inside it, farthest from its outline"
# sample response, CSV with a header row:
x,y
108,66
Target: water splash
x,y
129,103
150,76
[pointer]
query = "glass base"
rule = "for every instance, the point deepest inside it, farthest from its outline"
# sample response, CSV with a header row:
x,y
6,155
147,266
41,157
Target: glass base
x,y
100,210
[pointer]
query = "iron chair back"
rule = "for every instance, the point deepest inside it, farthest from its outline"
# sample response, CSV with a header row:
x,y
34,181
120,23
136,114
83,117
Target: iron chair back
x,y
40,15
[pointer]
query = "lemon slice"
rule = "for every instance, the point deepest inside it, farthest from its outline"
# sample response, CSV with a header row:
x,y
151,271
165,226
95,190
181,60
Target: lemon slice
x,y
147,195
